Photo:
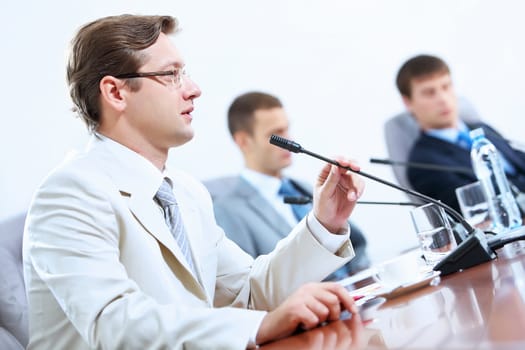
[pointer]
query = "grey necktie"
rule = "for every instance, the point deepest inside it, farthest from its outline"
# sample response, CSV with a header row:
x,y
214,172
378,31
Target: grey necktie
x,y
167,201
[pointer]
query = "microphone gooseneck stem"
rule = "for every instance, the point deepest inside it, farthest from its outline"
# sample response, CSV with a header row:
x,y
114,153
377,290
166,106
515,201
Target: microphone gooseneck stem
x,y
410,204
306,200
296,148
429,166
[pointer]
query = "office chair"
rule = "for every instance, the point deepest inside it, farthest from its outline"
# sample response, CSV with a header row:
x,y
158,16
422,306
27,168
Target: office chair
x,y
14,327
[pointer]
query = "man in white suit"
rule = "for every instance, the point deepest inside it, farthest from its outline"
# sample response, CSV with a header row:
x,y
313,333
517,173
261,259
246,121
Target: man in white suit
x,y
103,265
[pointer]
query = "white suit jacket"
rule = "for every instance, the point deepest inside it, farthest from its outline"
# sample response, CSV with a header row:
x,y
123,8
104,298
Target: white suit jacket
x,y
102,269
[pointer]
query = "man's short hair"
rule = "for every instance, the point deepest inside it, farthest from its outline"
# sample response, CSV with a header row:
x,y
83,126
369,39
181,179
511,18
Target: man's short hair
x,y
242,110
419,67
109,46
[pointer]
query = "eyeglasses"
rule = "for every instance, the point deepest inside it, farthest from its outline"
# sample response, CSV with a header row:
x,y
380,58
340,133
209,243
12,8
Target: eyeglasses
x,y
176,75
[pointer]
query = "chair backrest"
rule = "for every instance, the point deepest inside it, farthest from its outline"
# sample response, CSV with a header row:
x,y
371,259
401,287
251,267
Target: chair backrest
x,y
401,132
13,302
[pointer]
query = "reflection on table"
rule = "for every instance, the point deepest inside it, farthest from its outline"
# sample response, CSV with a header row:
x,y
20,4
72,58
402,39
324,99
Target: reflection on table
x,y
480,308
350,334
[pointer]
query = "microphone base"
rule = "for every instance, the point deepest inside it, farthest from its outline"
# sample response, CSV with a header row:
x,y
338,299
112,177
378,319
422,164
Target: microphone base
x,y
472,251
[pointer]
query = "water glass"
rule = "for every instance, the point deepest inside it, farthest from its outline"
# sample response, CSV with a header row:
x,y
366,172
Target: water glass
x,y
474,205
436,238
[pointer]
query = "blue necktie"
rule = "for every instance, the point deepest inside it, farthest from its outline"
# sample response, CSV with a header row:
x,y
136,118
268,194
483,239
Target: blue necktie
x,y
288,189
173,219
464,139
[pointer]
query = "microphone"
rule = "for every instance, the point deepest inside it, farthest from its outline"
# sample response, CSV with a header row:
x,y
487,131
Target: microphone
x,y
429,166
296,148
412,204
520,196
297,199
473,250
306,200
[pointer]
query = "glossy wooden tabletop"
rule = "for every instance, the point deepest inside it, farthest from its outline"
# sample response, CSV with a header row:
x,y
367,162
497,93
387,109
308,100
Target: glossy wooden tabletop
x,y
480,308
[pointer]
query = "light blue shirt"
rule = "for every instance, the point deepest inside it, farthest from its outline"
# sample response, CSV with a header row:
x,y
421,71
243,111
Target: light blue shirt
x,y
449,134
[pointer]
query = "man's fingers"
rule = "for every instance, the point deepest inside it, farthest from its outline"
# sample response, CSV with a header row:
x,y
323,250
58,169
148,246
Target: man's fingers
x,y
351,164
344,297
341,295
331,303
311,305
331,175
329,300
309,318
320,309
335,311
329,178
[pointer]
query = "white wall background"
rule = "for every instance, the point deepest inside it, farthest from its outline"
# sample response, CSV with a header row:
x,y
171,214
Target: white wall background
x,y
332,62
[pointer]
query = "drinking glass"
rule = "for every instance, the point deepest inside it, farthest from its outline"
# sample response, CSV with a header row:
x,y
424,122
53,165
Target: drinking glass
x,y
474,205
434,233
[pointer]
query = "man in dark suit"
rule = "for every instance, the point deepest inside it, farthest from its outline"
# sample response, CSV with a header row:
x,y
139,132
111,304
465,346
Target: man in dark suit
x,y
426,87
252,211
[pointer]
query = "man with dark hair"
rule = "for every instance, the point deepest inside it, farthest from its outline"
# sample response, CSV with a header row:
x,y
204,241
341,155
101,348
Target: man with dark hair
x,y
425,85
252,211
121,252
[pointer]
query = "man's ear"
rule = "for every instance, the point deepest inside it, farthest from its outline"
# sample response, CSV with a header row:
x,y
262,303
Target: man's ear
x,y
407,102
112,92
242,139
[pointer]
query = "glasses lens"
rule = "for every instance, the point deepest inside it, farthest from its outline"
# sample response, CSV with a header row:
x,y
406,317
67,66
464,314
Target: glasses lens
x,y
178,77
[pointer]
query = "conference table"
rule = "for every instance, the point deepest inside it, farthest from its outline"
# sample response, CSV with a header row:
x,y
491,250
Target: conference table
x,y
482,307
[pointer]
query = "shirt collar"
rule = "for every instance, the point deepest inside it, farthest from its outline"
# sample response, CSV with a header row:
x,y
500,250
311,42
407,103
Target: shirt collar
x,y
449,134
267,185
140,174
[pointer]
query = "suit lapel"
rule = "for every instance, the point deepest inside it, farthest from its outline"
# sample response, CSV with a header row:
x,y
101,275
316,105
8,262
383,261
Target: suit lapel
x,y
138,191
150,216
452,150
262,208
505,149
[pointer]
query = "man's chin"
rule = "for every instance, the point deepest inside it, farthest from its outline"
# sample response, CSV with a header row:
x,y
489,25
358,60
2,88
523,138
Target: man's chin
x,y
182,139
448,120
286,164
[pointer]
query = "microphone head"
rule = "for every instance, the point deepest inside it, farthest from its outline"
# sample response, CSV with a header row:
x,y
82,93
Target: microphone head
x,y
285,143
297,200
380,161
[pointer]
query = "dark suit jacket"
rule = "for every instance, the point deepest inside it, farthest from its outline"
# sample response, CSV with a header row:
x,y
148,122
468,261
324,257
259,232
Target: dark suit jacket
x,y
442,184
254,224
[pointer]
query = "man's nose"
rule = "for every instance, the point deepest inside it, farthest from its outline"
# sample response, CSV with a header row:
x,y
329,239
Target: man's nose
x,y
191,89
